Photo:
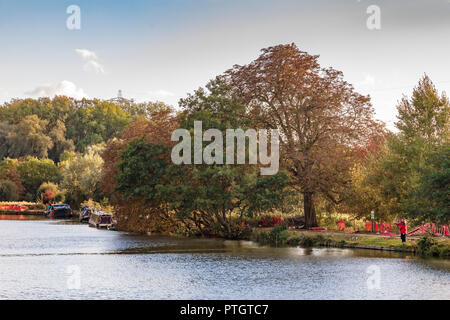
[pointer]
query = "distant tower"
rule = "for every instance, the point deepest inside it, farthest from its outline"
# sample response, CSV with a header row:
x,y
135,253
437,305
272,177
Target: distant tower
x,y
120,99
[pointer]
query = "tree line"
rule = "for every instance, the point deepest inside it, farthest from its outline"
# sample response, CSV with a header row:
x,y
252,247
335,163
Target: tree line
x,y
334,155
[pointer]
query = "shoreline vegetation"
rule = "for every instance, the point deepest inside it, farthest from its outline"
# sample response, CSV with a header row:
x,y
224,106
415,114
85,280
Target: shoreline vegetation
x,y
337,162
280,236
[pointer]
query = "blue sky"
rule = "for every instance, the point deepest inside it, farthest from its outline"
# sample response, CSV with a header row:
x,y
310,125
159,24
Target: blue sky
x,y
161,50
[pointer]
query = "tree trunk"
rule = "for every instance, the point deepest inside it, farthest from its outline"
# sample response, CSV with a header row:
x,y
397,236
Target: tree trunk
x,y
310,211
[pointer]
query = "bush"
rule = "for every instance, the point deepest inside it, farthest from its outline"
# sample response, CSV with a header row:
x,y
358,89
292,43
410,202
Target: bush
x,y
434,251
136,216
102,206
424,245
325,242
319,240
429,246
293,241
8,191
49,192
238,231
341,244
260,237
444,252
277,237
33,172
307,241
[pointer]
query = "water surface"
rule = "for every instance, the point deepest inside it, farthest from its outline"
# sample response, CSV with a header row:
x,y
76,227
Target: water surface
x,y
38,259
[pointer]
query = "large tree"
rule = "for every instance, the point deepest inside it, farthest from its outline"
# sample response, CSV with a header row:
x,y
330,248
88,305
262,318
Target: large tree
x,y
211,194
96,121
408,174
33,172
417,155
8,171
134,201
68,121
319,115
29,138
57,133
81,175
210,199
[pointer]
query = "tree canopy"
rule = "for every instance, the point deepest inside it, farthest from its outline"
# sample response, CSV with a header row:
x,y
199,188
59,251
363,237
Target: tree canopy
x,y
333,153
320,117
409,174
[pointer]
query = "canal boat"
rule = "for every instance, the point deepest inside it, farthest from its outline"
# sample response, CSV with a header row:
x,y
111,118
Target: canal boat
x,y
101,219
85,214
59,211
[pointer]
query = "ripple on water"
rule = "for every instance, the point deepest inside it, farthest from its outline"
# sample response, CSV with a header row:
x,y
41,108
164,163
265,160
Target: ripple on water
x,y
35,256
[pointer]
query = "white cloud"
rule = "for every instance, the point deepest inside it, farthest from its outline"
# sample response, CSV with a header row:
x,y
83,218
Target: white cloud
x,y
86,54
156,95
369,81
91,61
64,87
161,94
94,66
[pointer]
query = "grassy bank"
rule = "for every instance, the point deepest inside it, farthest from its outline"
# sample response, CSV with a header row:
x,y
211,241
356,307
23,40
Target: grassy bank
x,y
281,237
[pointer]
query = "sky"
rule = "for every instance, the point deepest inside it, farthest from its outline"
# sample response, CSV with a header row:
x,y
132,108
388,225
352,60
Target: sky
x,y
164,49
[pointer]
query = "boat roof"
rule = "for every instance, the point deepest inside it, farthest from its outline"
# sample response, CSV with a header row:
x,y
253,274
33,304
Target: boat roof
x,y
61,205
102,213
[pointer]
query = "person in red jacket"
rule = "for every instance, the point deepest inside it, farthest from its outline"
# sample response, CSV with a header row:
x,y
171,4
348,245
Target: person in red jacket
x,y
402,226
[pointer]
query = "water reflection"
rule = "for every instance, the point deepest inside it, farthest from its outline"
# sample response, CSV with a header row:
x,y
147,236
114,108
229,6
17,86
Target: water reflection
x,y
20,217
35,254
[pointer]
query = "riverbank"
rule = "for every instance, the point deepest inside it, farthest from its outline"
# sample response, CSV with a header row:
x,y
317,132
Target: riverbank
x,y
420,245
25,213
121,265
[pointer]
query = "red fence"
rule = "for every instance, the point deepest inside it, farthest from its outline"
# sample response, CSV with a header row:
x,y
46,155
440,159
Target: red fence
x,y
437,230
13,208
386,228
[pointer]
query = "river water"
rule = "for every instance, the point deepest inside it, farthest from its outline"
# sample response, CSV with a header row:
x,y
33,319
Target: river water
x,y
43,259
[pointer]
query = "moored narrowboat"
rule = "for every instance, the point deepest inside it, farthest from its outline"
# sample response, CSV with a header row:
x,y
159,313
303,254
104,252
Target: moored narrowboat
x,y
100,219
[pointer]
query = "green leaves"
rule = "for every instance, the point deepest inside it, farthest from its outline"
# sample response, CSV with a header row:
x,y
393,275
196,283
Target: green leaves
x,y
425,115
29,137
8,191
432,196
33,172
142,169
81,175
409,175
210,199
47,127
96,122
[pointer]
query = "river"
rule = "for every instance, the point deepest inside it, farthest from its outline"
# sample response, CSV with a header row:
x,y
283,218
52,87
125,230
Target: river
x,y
43,259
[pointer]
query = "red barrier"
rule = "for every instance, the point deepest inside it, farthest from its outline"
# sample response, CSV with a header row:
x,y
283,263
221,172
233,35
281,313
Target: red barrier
x,y
13,208
386,227
370,226
439,231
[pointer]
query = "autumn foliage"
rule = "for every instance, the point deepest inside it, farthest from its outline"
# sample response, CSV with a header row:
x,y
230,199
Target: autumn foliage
x,y
321,118
136,214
